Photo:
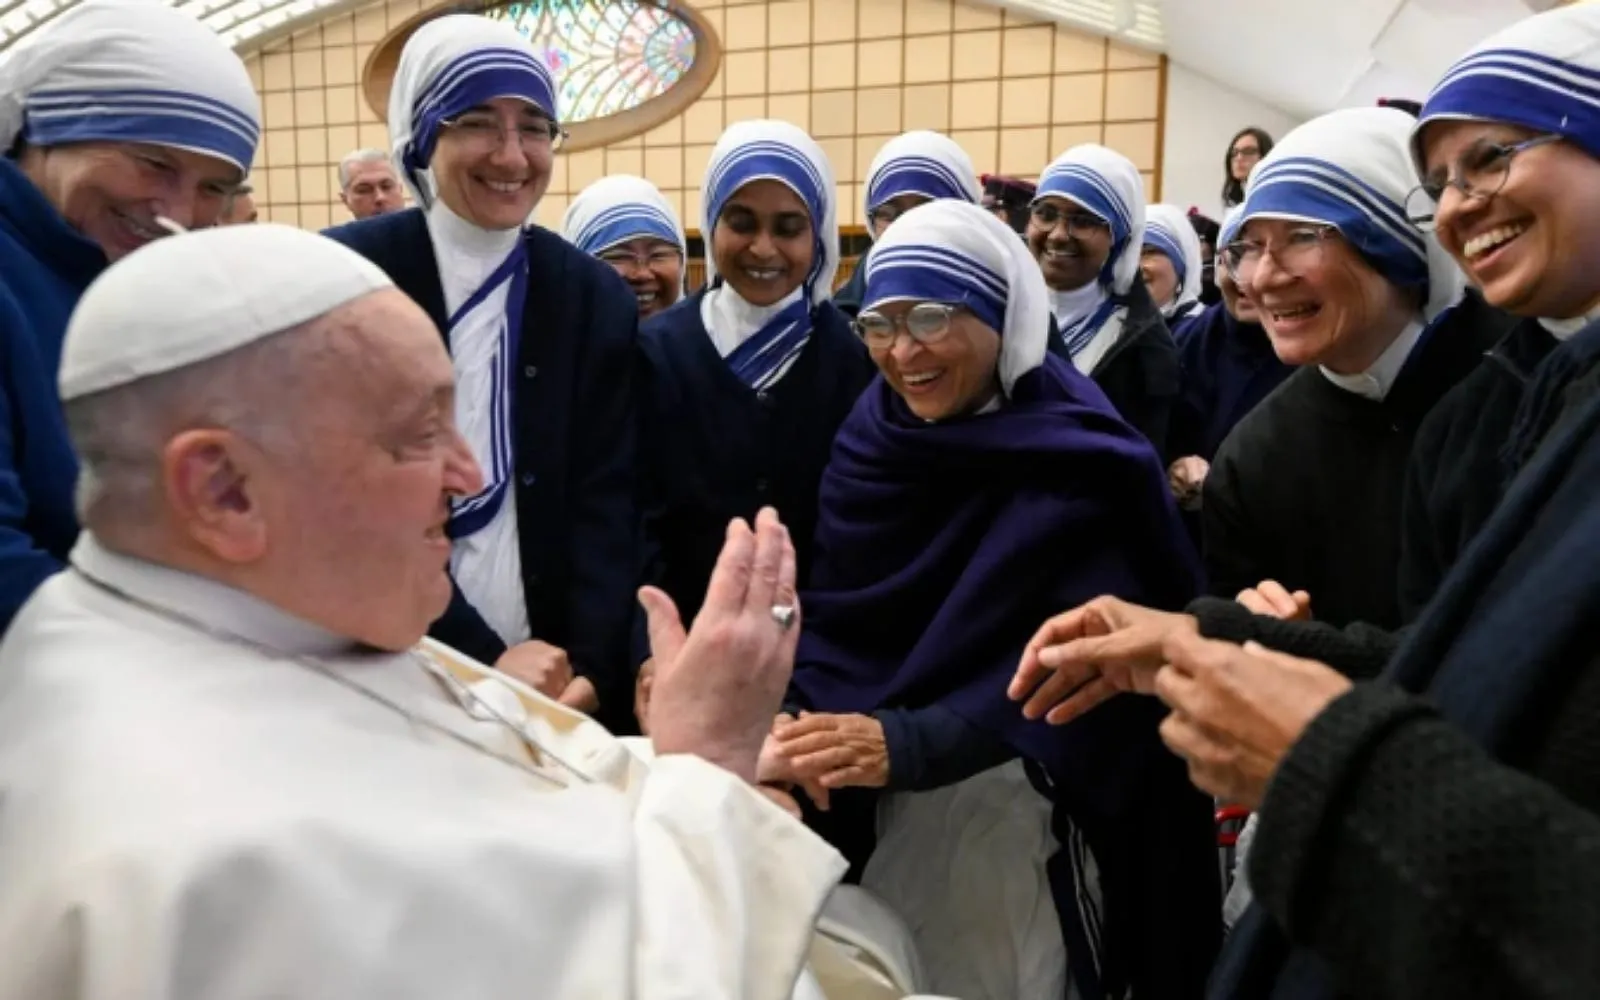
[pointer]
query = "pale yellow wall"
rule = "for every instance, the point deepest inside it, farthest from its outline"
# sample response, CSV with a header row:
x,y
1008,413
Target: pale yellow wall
x,y
1013,91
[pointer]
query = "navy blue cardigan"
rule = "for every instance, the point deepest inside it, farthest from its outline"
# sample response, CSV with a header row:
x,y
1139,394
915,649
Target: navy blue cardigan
x,y
716,450
574,437
45,265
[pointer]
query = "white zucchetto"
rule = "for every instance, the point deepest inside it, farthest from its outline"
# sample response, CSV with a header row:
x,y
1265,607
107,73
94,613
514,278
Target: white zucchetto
x,y
196,296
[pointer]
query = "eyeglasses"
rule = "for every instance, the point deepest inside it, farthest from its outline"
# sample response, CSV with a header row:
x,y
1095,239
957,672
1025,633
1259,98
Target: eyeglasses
x,y
925,323
1079,223
487,134
659,257
1480,173
1300,251
1244,152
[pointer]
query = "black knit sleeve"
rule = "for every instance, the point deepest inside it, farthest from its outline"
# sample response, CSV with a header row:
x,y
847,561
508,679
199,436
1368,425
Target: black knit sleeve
x,y
1357,650
1416,866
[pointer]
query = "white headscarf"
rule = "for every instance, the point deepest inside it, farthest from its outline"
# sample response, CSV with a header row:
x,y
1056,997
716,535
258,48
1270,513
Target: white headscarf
x,y
1106,183
778,151
621,208
921,163
1167,227
449,65
1352,169
617,209
958,253
1542,73
129,71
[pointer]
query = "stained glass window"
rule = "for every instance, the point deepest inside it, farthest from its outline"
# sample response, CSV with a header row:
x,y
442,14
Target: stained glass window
x,y
607,55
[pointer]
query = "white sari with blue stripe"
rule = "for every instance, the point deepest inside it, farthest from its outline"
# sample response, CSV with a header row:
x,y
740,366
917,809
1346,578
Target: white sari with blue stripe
x,y
1106,184
761,343
449,66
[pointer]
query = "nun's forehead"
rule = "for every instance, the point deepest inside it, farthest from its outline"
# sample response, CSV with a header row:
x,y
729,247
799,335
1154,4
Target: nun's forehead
x,y
1069,204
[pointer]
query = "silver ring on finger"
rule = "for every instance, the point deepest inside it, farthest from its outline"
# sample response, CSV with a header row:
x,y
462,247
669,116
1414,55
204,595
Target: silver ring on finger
x,y
783,614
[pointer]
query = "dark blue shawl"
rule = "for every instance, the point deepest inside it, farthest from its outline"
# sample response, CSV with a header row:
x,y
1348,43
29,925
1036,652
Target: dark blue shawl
x,y
941,547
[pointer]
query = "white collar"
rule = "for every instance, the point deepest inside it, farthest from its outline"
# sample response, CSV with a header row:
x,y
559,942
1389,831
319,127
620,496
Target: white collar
x,y
1377,380
1563,329
1069,305
204,600
453,233
731,320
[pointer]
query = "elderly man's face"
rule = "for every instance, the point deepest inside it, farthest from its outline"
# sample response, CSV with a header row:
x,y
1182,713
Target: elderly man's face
x,y
111,192
356,518
373,190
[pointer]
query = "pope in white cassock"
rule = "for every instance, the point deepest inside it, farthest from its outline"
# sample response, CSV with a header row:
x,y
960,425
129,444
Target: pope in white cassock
x,y
230,766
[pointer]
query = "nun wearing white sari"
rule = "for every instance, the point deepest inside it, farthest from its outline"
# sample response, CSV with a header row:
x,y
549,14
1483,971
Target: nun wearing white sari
x,y
747,380
114,113
1306,491
1171,265
542,336
625,221
911,169
980,480
1086,229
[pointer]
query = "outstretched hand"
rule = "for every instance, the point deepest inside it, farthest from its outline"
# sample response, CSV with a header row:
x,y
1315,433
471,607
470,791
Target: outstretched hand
x,y
1082,657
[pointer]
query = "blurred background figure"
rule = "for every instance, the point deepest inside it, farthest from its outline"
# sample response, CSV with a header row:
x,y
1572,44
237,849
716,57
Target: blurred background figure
x,y
368,185
1008,199
1244,152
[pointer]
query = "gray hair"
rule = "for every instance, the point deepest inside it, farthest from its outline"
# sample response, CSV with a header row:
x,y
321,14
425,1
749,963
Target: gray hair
x,y
355,157
255,391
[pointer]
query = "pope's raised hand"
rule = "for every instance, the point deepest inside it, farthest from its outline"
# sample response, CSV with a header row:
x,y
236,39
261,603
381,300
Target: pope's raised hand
x,y
718,686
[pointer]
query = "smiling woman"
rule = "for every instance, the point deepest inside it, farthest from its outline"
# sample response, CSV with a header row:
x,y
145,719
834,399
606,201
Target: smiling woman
x,y
1377,316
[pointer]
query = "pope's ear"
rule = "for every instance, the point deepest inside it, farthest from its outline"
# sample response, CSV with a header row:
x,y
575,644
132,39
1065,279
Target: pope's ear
x,y
211,493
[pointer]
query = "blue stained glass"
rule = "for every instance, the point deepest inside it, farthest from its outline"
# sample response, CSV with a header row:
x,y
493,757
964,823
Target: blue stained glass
x,y
607,55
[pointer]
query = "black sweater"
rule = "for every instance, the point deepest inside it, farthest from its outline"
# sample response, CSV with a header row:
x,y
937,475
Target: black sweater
x,y
1406,858
1307,489
1457,470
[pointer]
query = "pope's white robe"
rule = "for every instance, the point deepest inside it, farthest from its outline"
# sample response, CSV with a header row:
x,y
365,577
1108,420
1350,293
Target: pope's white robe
x,y
183,816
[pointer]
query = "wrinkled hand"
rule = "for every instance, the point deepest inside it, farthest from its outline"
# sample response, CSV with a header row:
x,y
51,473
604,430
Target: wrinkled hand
x,y
581,695
541,666
1082,657
1271,598
777,771
834,751
1236,711
1187,477
641,694
717,689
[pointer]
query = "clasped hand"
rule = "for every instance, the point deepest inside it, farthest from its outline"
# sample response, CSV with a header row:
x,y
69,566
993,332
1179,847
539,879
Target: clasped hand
x,y
1236,711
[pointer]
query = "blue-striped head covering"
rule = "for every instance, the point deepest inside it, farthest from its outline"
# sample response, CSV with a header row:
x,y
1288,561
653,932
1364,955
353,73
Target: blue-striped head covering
x,y
1542,73
1352,169
957,253
777,151
1230,226
450,65
618,209
129,71
1106,183
921,163
1168,229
